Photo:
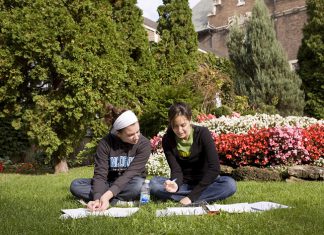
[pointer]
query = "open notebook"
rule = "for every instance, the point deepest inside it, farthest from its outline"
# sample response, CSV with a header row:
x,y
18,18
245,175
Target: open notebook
x,y
111,212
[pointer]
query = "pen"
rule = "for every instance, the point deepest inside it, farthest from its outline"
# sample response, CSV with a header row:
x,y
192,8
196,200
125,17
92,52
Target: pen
x,y
174,180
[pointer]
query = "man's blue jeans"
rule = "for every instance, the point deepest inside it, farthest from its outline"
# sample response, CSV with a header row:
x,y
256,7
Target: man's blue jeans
x,y
221,188
82,188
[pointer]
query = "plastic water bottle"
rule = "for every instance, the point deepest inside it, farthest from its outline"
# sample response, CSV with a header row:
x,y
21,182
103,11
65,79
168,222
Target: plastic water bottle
x,y
145,193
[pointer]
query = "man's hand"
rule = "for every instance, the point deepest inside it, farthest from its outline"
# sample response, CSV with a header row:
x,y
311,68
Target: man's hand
x,y
170,186
185,201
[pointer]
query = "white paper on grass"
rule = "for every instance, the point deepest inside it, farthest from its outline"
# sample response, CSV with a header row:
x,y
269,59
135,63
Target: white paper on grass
x,y
246,207
264,206
230,208
111,212
180,211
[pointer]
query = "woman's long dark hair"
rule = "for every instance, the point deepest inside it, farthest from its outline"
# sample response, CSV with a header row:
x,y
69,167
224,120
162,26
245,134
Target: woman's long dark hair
x,y
179,109
112,113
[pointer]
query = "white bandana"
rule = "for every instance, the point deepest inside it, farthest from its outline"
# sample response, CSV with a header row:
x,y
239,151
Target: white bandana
x,y
126,119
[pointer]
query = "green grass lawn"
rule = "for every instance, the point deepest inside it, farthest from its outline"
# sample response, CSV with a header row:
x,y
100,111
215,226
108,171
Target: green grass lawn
x,y
31,204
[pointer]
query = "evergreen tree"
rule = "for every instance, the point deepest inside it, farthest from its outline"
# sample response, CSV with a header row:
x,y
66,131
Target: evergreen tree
x,y
176,53
311,59
60,62
134,48
263,71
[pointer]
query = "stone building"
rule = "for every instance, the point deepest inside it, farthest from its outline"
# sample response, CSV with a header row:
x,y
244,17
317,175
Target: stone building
x,y
150,27
153,36
212,19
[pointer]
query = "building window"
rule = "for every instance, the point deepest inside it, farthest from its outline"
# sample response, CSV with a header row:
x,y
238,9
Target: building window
x,y
215,4
214,10
293,65
240,2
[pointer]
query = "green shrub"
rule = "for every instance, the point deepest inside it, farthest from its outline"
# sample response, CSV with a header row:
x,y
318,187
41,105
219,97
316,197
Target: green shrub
x,y
155,112
241,104
224,110
13,143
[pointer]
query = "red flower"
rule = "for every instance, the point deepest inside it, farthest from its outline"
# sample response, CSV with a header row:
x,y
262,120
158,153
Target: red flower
x,y
228,156
203,117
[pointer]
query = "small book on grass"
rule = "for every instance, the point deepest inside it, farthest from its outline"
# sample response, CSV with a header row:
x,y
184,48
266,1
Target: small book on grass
x,y
111,212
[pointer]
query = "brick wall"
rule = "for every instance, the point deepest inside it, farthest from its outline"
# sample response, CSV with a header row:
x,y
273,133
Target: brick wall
x,y
289,30
282,5
289,17
227,9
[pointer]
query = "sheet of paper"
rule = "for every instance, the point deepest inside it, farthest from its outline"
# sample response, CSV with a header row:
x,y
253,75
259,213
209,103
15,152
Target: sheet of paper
x,y
245,207
111,212
264,206
121,212
180,211
74,213
231,208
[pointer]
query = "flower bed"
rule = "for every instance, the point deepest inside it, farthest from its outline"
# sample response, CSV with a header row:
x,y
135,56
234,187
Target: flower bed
x,y
19,168
6,166
261,140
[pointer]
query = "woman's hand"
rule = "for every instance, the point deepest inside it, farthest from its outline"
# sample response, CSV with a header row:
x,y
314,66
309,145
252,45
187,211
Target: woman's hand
x,y
185,201
93,205
170,186
101,204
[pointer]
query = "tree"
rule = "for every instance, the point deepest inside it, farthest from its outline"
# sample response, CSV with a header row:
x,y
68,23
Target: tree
x,y
311,59
212,77
134,48
263,72
59,64
176,53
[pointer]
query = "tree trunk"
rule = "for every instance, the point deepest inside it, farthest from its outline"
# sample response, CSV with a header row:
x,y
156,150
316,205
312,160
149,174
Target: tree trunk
x,y
61,166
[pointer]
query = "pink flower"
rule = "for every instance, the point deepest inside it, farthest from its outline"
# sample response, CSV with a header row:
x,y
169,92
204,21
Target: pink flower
x,y
235,114
155,142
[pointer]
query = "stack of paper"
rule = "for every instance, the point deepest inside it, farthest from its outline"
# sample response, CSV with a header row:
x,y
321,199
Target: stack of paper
x,y
111,212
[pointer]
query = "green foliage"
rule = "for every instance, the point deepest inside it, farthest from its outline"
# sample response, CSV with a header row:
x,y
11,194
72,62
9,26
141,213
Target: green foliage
x,y
220,63
12,142
311,59
155,116
57,74
176,56
241,104
198,88
176,52
263,72
134,49
224,110
218,71
5,161
207,82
